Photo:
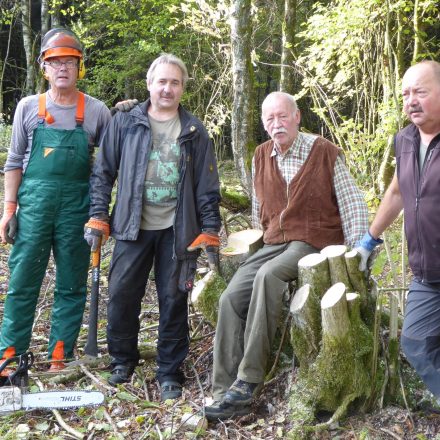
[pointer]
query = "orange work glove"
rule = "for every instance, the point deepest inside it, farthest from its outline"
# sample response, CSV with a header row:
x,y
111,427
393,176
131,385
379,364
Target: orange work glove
x,y
8,223
209,242
96,232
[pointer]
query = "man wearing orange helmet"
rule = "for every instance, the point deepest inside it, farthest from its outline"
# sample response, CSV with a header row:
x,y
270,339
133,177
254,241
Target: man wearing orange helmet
x,y
47,178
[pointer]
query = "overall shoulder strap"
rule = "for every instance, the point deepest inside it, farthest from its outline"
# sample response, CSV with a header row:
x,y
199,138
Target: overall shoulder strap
x,y
80,109
43,114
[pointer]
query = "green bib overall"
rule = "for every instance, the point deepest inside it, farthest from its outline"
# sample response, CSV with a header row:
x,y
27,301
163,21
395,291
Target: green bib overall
x,y
53,201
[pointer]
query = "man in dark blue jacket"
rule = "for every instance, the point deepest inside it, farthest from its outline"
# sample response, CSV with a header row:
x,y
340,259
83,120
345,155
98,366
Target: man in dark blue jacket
x,y
415,188
166,209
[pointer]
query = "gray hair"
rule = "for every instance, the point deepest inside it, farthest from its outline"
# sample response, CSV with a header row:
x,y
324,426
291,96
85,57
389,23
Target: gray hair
x,y
167,58
285,95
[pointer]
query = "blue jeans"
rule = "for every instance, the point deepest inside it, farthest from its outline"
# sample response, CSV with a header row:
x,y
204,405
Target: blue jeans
x,y
129,271
420,338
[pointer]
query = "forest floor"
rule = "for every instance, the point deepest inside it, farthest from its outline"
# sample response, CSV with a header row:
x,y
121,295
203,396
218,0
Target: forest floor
x,y
133,411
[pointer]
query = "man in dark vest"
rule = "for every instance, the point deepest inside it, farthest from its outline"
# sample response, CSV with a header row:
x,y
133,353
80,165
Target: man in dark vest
x,y
415,188
304,199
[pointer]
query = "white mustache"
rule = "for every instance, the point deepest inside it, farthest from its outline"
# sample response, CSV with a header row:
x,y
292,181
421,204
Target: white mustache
x,y
278,130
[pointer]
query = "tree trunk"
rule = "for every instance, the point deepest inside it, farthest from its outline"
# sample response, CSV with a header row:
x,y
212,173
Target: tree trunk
x,y
330,338
28,46
55,14
417,35
287,80
3,63
242,125
45,19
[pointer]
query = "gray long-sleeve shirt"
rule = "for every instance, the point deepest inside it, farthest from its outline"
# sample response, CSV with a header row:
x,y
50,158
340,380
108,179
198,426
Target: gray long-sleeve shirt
x,y
96,117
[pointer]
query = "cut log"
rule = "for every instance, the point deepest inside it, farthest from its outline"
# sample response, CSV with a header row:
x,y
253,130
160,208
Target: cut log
x,y
334,312
306,325
354,305
240,246
357,277
313,269
336,261
360,285
200,285
206,294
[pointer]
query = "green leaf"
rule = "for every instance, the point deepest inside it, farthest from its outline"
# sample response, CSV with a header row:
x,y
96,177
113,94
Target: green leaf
x,y
123,395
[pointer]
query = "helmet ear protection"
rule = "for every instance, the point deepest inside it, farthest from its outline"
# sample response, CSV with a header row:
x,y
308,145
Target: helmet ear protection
x,y
81,69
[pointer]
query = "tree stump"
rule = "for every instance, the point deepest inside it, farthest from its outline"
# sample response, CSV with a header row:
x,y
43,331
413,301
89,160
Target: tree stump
x,y
306,329
331,338
314,269
336,261
240,246
206,292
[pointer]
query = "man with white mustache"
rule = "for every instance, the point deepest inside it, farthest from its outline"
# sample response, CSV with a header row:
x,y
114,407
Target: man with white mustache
x,y
304,199
415,189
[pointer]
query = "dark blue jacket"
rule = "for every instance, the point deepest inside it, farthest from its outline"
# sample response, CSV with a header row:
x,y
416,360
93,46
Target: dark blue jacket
x,y
421,202
123,155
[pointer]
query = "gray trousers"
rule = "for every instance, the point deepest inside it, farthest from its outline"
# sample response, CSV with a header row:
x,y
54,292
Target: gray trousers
x,y
420,339
249,311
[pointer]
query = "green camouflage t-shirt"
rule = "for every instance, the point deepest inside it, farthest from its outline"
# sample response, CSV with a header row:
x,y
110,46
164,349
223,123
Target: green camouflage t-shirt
x,y
162,177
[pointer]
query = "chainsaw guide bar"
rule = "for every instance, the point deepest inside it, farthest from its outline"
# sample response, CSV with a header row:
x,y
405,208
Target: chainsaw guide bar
x,y
13,399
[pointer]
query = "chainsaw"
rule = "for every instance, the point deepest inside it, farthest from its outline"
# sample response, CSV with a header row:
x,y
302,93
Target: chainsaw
x,y
13,395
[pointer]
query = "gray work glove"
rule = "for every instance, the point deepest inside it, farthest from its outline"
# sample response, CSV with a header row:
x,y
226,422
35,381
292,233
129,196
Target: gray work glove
x,y
124,106
8,223
12,230
365,247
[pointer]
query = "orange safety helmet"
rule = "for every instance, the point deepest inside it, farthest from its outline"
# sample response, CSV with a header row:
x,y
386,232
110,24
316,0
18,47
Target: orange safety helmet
x,y
61,42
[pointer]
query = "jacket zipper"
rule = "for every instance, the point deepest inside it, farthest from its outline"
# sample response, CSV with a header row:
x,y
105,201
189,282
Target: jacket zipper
x,y
419,190
182,171
283,211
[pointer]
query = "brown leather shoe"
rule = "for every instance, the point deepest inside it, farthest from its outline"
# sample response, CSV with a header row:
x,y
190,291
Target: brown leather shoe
x,y
57,366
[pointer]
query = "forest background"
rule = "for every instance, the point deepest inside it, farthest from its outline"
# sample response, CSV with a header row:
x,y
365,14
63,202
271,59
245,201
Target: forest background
x,y
342,59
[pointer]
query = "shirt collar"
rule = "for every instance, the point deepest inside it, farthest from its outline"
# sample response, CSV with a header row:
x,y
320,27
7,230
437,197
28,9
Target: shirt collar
x,y
294,147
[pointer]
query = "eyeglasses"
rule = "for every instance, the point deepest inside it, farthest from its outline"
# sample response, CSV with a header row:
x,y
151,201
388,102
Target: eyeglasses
x,y
56,64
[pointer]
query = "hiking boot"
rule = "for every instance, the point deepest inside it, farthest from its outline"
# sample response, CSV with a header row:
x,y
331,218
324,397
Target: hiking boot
x,y
170,389
241,392
428,404
120,374
221,410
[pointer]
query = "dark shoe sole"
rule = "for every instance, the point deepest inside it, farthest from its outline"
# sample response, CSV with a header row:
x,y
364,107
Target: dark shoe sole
x,y
170,390
213,416
117,381
120,376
